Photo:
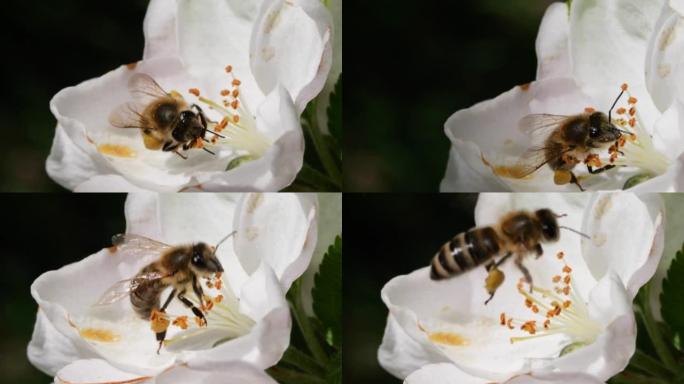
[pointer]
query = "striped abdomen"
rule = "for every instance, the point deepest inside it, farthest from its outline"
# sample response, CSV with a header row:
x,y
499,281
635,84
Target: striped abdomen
x,y
145,297
464,252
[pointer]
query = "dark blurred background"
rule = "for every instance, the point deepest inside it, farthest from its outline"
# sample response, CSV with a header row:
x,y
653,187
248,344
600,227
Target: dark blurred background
x,y
47,46
388,235
42,233
410,65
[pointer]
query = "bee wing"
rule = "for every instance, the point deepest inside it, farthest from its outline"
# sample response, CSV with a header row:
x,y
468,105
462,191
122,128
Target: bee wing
x,y
123,288
128,115
140,246
536,157
145,89
540,126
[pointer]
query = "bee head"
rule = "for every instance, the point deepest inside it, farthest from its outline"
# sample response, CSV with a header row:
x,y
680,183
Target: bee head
x,y
204,260
548,223
601,131
188,128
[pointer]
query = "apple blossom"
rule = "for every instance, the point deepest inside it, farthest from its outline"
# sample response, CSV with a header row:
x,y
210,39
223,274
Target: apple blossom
x,y
576,319
580,66
252,67
248,318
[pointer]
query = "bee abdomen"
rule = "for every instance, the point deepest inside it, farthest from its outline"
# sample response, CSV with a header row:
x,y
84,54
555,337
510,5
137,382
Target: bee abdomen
x,y
145,298
464,252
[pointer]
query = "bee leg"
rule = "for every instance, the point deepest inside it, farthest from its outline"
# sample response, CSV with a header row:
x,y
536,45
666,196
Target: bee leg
x,y
573,179
189,304
599,170
538,250
501,261
161,336
197,288
524,270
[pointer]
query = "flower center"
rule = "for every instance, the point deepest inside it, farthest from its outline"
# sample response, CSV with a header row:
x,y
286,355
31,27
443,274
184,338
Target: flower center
x,y
555,311
635,148
221,312
237,128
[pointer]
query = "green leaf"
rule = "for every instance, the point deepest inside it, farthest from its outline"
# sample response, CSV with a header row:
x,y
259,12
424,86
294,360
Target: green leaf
x,y
334,375
327,292
671,298
335,111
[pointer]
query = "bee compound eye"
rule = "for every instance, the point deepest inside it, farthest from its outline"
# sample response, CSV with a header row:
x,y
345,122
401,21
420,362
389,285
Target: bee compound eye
x,y
593,131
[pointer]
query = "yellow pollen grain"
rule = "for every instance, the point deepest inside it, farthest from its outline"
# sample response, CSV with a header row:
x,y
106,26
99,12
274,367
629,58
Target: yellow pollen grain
x,y
116,150
101,335
448,338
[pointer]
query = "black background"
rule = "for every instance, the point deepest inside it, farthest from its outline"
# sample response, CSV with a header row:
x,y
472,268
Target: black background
x,y
42,233
47,46
412,64
388,235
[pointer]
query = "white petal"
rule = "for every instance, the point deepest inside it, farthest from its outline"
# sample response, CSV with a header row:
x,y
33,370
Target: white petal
x,y
160,29
276,229
608,43
421,306
50,350
97,371
400,355
486,135
443,373
611,352
234,373
68,164
559,378
69,309
263,300
215,33
553,55
279,166
83,113
323,101
612,221
664,58
107,183
291,45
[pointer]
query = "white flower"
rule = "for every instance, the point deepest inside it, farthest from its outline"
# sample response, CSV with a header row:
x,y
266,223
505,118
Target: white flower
x,y
280,53
587,328
583,60
248,326
444,373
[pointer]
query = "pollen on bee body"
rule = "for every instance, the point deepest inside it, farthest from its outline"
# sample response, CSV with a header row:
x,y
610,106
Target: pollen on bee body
x,y
159,321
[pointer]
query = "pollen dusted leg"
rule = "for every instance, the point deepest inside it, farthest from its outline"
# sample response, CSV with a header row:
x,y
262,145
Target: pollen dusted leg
x,y
494,277
573,179
524,270
189,304
161,336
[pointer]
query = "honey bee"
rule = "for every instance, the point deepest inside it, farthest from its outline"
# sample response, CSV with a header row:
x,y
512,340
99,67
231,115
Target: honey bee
x,y
178,267
517,233
567,140
166,120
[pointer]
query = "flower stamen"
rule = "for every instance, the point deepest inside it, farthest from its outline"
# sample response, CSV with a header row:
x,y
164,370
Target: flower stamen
x,y
561,315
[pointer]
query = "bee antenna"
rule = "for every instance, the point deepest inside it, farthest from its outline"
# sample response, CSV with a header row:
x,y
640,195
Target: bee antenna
x,y
623,131
215,133
614,103
222,240
576,231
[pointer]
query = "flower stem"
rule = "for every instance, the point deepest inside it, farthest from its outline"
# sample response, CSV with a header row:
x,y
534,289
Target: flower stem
x,y
305,325
324,153
301,360
653,331
650,365
289,376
